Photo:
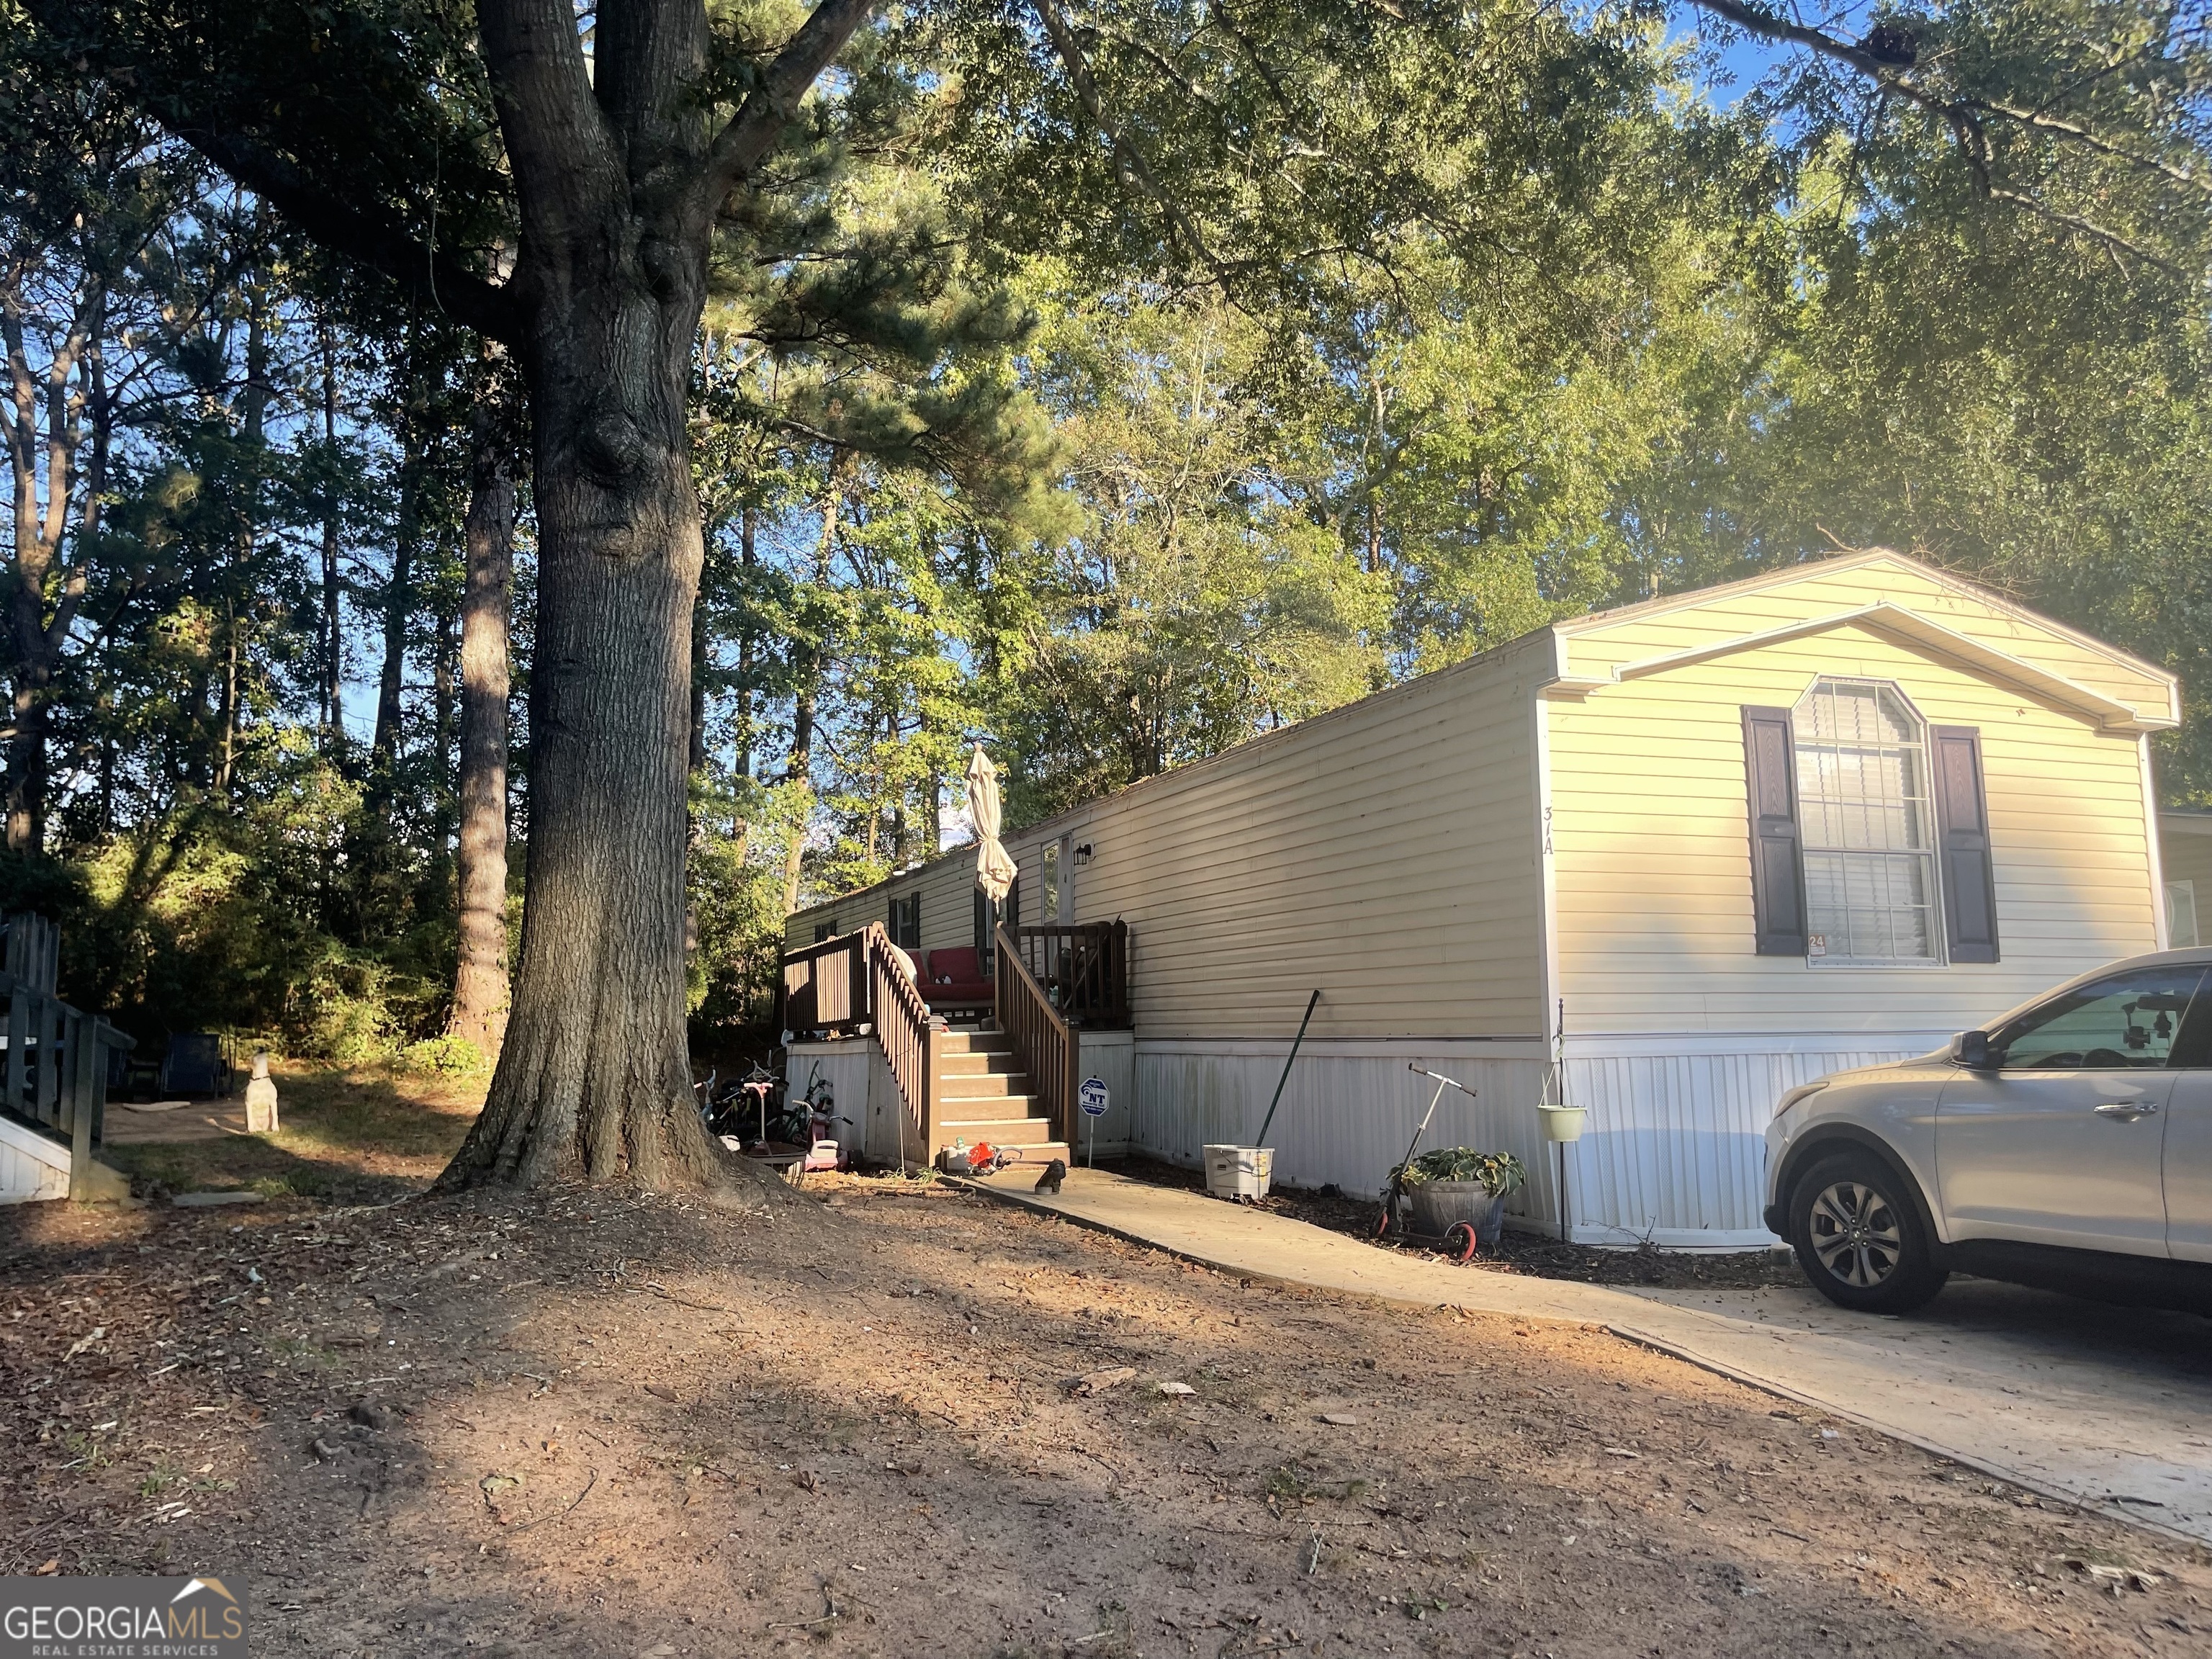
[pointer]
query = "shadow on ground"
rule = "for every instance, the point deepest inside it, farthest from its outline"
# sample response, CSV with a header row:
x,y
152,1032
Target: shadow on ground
x,y
598,1425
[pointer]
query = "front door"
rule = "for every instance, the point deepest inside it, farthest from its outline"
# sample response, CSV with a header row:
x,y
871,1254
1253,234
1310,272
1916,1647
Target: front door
x,y
2060,1141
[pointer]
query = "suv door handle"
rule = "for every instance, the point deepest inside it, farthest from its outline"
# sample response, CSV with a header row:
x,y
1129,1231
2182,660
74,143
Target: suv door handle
x,y
2127,1109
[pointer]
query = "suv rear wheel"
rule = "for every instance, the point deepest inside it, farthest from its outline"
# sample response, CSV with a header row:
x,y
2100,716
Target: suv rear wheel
x,y
1859,1237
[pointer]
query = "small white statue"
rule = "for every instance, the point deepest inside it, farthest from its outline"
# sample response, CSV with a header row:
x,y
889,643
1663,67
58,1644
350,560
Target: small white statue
x,y
261,1098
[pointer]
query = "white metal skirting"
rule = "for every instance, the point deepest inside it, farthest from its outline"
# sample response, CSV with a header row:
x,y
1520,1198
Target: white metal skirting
x,y
1676,1147
1674,1150
1348,1110
32,1167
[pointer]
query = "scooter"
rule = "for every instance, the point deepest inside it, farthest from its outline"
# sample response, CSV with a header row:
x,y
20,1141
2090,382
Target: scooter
x,y
1459,1240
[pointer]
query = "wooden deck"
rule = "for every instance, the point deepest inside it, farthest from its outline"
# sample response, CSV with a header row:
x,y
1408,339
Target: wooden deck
x,y
1011,1083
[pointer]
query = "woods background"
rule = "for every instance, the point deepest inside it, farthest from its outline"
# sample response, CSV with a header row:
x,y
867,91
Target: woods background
x,y
1105,387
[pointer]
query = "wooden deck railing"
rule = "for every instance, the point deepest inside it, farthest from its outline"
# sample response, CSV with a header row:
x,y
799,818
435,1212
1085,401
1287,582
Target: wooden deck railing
x,y
56,1078
1084,968
825,986
1042,1039
903,1031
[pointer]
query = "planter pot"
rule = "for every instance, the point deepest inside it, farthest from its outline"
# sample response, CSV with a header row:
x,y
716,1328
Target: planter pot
x,y
1562,1122
1239,1171
1435,1206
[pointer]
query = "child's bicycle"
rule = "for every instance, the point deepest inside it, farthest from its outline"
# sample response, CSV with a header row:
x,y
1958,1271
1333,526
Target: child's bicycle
x,y
815,1117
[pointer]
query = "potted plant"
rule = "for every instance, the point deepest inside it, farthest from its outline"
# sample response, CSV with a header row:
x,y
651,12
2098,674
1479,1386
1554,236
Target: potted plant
x,y
1457,1183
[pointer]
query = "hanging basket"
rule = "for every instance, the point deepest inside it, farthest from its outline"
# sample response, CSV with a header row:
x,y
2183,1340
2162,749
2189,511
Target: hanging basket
x,y
1562,1123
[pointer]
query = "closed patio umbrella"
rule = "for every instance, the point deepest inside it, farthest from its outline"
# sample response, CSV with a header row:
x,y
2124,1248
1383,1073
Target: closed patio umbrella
x,y
995,871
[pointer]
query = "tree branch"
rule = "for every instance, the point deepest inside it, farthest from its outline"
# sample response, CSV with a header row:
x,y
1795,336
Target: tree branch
x,y
361,233
769,108
1892,77
1129,161
1964,116
558,141
2088,228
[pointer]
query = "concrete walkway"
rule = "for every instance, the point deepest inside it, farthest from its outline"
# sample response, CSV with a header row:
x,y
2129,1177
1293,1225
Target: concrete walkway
x,y
2108,1407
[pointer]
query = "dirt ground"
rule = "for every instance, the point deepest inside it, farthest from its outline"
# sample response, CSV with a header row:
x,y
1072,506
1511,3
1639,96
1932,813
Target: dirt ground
x,y
852,1423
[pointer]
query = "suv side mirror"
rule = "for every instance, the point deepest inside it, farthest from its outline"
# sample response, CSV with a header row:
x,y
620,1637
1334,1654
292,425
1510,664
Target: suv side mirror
x,y
1972,1050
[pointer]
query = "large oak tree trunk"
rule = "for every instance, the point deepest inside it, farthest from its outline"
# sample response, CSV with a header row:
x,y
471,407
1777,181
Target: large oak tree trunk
x,y
618,176
594,1077
480,984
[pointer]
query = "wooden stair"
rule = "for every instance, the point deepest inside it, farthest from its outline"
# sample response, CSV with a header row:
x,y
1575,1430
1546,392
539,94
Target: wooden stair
x,y
982,1095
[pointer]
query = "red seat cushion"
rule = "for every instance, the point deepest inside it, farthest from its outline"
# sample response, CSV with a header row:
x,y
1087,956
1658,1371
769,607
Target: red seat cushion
x,y
958,965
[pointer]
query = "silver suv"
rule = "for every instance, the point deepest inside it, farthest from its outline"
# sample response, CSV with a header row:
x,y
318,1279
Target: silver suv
x,y
2070,1145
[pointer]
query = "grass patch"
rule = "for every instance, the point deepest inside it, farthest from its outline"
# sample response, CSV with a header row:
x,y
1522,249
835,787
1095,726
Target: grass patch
x,y
346,1133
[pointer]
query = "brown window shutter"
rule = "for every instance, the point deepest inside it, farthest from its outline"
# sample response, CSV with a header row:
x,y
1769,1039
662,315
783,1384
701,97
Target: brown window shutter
x,y
1777,861
1962,829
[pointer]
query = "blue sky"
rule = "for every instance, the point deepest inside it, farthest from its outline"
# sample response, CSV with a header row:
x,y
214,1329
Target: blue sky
x,y
1744,59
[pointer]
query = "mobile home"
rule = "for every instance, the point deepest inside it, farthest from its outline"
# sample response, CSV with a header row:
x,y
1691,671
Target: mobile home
x,y
1703,848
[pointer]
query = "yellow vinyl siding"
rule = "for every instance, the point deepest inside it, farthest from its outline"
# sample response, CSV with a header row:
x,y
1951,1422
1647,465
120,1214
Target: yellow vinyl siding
x,y
948,916
1609,640
1385,853
2185,850
1653,859
2188,857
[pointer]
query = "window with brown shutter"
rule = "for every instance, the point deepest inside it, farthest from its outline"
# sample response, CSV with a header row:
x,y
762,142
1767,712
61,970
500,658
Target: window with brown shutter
x,y
1962,824
1778,875
1866,835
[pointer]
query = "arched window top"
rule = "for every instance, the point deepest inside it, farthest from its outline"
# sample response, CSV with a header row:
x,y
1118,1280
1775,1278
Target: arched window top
x,y
1868,828
1871,712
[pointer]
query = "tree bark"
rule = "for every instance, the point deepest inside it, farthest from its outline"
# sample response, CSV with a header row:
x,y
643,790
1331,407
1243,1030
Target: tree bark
x,y
800,771
71,396
480,983
253,432
333,620
618,178
748,561
398,607
619,171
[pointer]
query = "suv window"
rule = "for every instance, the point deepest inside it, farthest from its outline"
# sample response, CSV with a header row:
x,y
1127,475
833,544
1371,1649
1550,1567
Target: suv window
x,y
2128,1021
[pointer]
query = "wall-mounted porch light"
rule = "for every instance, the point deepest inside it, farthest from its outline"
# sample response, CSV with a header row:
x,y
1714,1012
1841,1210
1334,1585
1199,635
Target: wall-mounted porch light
x,y
1082,853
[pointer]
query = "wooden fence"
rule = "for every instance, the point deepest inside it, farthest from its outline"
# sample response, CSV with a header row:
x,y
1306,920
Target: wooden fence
x,y
825,986
1085,969
1042,1039
56,1076
907,1040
